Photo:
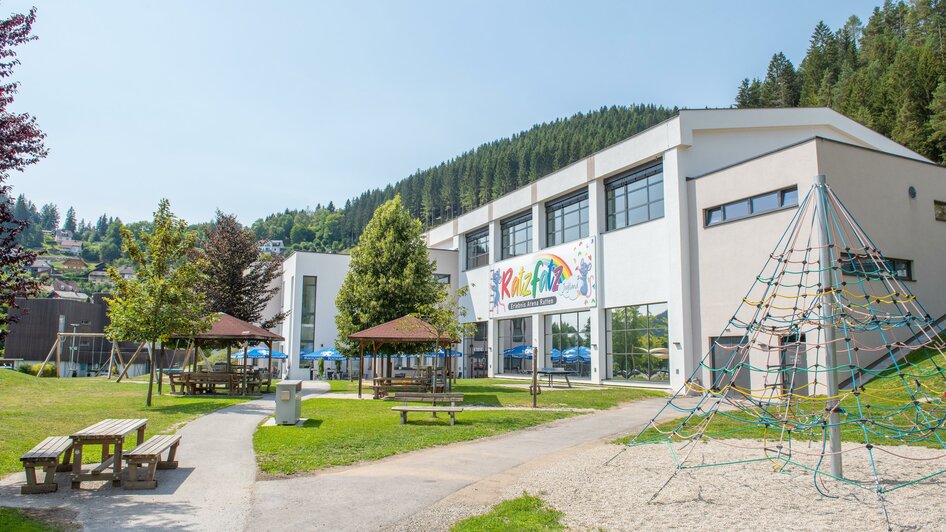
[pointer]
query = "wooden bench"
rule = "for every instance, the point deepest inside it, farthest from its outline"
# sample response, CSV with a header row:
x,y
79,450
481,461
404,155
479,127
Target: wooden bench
x,y
46,455
433,398
147,456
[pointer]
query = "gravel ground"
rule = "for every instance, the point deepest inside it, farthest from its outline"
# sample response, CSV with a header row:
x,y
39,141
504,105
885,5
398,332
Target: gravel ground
x,y
750,496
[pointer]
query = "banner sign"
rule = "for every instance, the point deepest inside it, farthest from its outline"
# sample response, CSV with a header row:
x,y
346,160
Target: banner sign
x,y
556,278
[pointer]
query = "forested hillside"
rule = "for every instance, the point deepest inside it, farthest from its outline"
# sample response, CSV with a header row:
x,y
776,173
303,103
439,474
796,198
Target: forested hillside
x,y
890,75
467,181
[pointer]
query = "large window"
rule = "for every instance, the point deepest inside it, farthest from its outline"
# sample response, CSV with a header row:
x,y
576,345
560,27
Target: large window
x,y
635,197
638,343
752,206
568,341
477,249
475,351
567,219
515,336
869,267
517,236
307,333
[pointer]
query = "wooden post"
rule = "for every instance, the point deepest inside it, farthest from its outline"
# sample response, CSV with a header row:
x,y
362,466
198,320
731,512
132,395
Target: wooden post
x,y
58,355
130,362
535,378
269,347
150,373
361,365
245,348
111,360
51,351
161,368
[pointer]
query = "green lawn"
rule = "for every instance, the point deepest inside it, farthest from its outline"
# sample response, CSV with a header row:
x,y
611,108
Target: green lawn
x,y
522,513
879,395
14,520
35,408
504,392
344,431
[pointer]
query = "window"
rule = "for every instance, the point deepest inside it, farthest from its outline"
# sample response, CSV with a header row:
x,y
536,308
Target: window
x,y
638,343
514,335
567,219
475,351
307,334
443,278
636,197
746,207
517,236
568,341
875,267
477,249
939,210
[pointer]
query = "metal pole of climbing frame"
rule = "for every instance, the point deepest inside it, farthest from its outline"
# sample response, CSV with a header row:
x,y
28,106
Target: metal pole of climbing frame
x,y
827,322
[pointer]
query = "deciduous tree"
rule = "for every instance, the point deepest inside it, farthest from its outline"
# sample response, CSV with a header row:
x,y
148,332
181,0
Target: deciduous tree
x,y
21,144
165,299
239,278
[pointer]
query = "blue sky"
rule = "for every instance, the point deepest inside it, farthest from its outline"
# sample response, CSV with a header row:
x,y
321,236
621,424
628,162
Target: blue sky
x,y
257,107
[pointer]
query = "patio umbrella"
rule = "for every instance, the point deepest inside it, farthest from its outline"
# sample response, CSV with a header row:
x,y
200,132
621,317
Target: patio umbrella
x,y
577,354
556,355
326,353
259,352
521,351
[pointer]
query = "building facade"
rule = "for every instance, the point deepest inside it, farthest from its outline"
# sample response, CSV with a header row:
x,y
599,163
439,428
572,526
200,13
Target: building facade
x,y
625,266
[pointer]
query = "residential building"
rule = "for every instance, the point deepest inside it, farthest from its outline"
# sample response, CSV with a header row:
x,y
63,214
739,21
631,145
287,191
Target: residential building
x,y
73,247
127,272
73,265
274,247
98,277
632,260
40,267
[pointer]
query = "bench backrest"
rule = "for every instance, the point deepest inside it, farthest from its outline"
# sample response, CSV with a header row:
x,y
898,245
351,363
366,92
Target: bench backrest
x,y
429,397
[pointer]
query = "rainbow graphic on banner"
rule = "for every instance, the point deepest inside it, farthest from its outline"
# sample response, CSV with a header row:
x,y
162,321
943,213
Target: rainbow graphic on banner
x,y
544,279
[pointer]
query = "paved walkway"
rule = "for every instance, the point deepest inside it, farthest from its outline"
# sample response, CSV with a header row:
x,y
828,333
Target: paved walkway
x,y
211,490
216,489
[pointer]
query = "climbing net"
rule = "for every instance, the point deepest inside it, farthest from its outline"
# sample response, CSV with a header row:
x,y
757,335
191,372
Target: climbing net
x,y
826,305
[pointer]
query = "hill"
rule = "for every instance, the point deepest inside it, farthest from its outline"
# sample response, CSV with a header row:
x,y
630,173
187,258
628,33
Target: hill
x,y
890,75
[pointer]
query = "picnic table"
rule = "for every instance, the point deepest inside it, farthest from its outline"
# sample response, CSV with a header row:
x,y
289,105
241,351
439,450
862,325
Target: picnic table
x,y
551,372
110,434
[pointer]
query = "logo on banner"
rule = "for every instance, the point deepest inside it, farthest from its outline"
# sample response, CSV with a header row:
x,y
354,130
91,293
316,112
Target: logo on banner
x,y
560,278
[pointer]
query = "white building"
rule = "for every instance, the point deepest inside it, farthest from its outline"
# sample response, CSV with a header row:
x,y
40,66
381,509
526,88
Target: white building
x,y
625,265
274,247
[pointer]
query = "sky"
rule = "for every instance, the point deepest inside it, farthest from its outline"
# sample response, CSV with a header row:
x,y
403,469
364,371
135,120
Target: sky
x,y
255,107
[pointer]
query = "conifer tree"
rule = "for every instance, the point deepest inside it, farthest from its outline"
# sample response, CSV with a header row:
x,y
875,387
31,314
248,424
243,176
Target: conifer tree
x,y
390,274
69,223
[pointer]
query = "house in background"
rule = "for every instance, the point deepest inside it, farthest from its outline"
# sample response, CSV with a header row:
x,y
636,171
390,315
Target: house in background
x,y
73,265
40,267
127,272
61,235
98,277
274,247
72,296
73,247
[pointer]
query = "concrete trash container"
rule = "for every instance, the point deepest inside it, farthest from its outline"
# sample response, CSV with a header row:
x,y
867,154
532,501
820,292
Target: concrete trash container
x,y
288,402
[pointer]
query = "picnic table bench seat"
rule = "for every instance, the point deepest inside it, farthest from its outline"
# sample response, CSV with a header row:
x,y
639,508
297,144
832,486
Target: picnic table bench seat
x,y
147,457
46,455
433,398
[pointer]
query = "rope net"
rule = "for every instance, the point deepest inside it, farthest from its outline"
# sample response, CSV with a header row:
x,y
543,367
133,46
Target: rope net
x,y
765,380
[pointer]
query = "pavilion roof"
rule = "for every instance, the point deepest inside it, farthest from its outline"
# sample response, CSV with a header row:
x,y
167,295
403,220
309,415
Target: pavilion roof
x,y
406,329
226,327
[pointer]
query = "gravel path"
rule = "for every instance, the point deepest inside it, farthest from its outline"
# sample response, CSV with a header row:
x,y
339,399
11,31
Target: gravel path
x,y
747,496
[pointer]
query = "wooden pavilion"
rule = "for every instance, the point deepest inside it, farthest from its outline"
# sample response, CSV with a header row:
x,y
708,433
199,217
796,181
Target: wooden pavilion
x,y
406,331
226,331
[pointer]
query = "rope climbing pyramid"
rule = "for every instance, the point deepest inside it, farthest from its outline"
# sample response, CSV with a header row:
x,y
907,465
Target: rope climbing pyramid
x,y
828,346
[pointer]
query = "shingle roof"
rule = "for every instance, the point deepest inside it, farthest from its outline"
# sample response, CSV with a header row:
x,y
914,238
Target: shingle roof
x,y
404,329
229,328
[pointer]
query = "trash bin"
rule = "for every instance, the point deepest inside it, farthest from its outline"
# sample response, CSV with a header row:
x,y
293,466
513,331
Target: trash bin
x,y
288,402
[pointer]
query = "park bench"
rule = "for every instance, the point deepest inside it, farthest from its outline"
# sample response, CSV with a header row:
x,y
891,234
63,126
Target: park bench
x,y
46,455
433,398
147,457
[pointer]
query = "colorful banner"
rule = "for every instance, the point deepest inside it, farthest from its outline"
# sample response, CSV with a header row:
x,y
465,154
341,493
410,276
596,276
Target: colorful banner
x,y
556,278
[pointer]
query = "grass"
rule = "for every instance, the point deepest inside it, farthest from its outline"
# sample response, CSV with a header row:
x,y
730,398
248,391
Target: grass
x,y
15,520
513,393
36,408
522,513
884,392
344,431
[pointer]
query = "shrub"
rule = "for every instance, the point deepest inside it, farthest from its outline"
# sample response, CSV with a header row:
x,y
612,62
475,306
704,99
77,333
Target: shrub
x,y
48,371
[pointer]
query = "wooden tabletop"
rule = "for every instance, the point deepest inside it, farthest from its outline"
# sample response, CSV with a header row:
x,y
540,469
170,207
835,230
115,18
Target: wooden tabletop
x,y
111,427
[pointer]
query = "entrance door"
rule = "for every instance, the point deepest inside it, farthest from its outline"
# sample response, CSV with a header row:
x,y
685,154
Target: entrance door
x,y
721,358
794,370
